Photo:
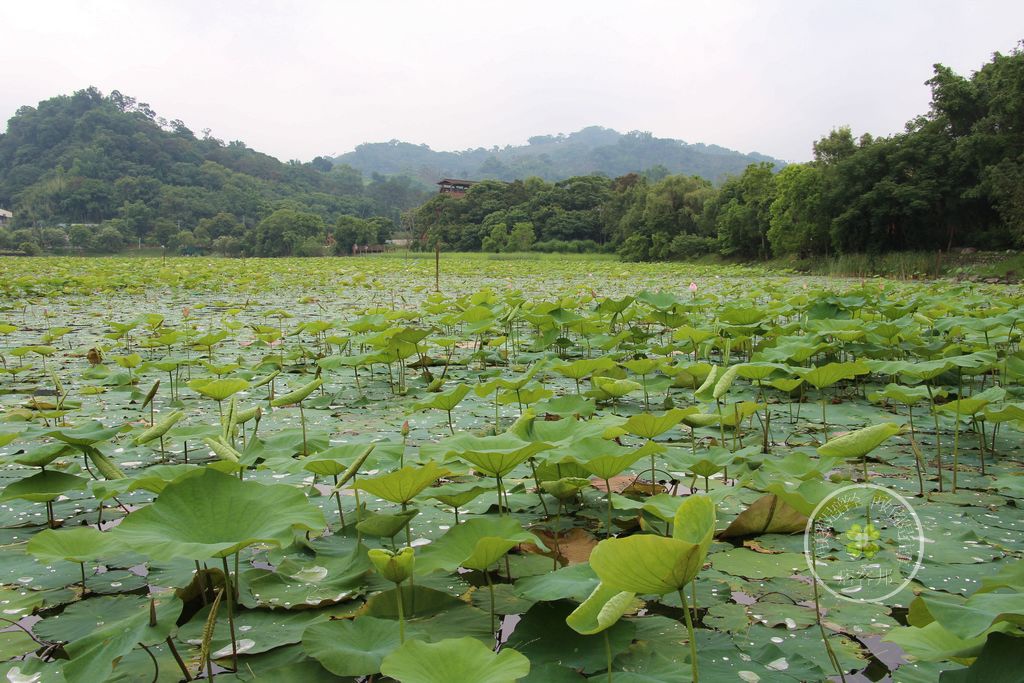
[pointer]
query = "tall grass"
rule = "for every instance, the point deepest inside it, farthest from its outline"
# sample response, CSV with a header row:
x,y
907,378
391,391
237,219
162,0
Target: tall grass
x,y
904,265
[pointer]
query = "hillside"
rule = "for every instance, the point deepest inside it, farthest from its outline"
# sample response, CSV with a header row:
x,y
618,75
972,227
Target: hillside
x,y
91,159
555,157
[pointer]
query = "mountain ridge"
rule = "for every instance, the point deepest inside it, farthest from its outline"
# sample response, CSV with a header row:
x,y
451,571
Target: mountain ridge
x,y
590,150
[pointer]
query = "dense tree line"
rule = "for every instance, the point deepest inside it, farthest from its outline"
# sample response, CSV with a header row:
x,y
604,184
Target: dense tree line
x,y
953,177
95,173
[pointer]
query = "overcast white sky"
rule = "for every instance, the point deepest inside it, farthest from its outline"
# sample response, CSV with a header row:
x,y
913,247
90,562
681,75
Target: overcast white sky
x,y
299,79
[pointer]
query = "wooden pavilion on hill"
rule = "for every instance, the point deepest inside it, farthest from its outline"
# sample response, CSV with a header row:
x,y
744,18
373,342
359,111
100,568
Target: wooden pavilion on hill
x,y
455,187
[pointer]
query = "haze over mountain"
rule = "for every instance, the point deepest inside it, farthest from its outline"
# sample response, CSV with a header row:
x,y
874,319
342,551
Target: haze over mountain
x,y
554,157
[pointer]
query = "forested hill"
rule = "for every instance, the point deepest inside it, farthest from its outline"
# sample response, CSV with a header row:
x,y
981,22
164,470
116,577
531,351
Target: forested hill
x,y
87,158
555,157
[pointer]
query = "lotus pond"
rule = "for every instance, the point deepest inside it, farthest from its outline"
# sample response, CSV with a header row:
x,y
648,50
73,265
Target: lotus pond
x,y
550,470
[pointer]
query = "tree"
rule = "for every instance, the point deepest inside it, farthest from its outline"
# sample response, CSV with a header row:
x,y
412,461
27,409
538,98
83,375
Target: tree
x,y
798,224
109,239
350,231
521,238
497,241
284,231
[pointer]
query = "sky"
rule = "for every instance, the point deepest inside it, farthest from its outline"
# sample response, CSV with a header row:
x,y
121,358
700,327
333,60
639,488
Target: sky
x,y
302,79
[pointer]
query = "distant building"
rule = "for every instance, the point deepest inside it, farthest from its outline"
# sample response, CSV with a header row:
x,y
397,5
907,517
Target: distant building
x,y
5,217
455,188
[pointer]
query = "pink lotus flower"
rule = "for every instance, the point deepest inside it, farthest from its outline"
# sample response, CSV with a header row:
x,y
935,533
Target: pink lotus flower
x,y
693,287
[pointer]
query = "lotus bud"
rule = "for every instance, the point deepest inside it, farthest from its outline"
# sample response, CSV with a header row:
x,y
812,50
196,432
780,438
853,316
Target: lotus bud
x,y
395,567
405,429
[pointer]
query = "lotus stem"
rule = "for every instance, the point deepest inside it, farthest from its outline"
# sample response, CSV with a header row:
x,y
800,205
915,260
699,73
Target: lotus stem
x,y
540,491
608,492
337,496
177,659
490,588
231,613
608,653
824,638
824,422
956,444
156,664
689,630
401,613
938,440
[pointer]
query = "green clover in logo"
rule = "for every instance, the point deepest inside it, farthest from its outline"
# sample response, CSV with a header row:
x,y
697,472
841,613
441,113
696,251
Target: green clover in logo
x,y
862,541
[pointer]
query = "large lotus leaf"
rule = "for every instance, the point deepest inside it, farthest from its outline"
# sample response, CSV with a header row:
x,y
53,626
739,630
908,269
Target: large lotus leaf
x,y
998,662
353,647
496,455
43,455
1007,412
601,610
543,635
94,655
86,435
446,401
575,581
565,488
455,659
578,369
336,459
45,486
975,616
567,406
928,369
155,478
859,443
1011,575
650,425
8,437
293,584
827,375
973,404
218,389
706,462
766,515
694,522
754,565
642,366
383,524
901,394
81,544
457,495
933,643
211,514
616,388
693,335
802,497
529,428
759,371
256,630
402,485
15,644
646,564
604,458
476,544
800,465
